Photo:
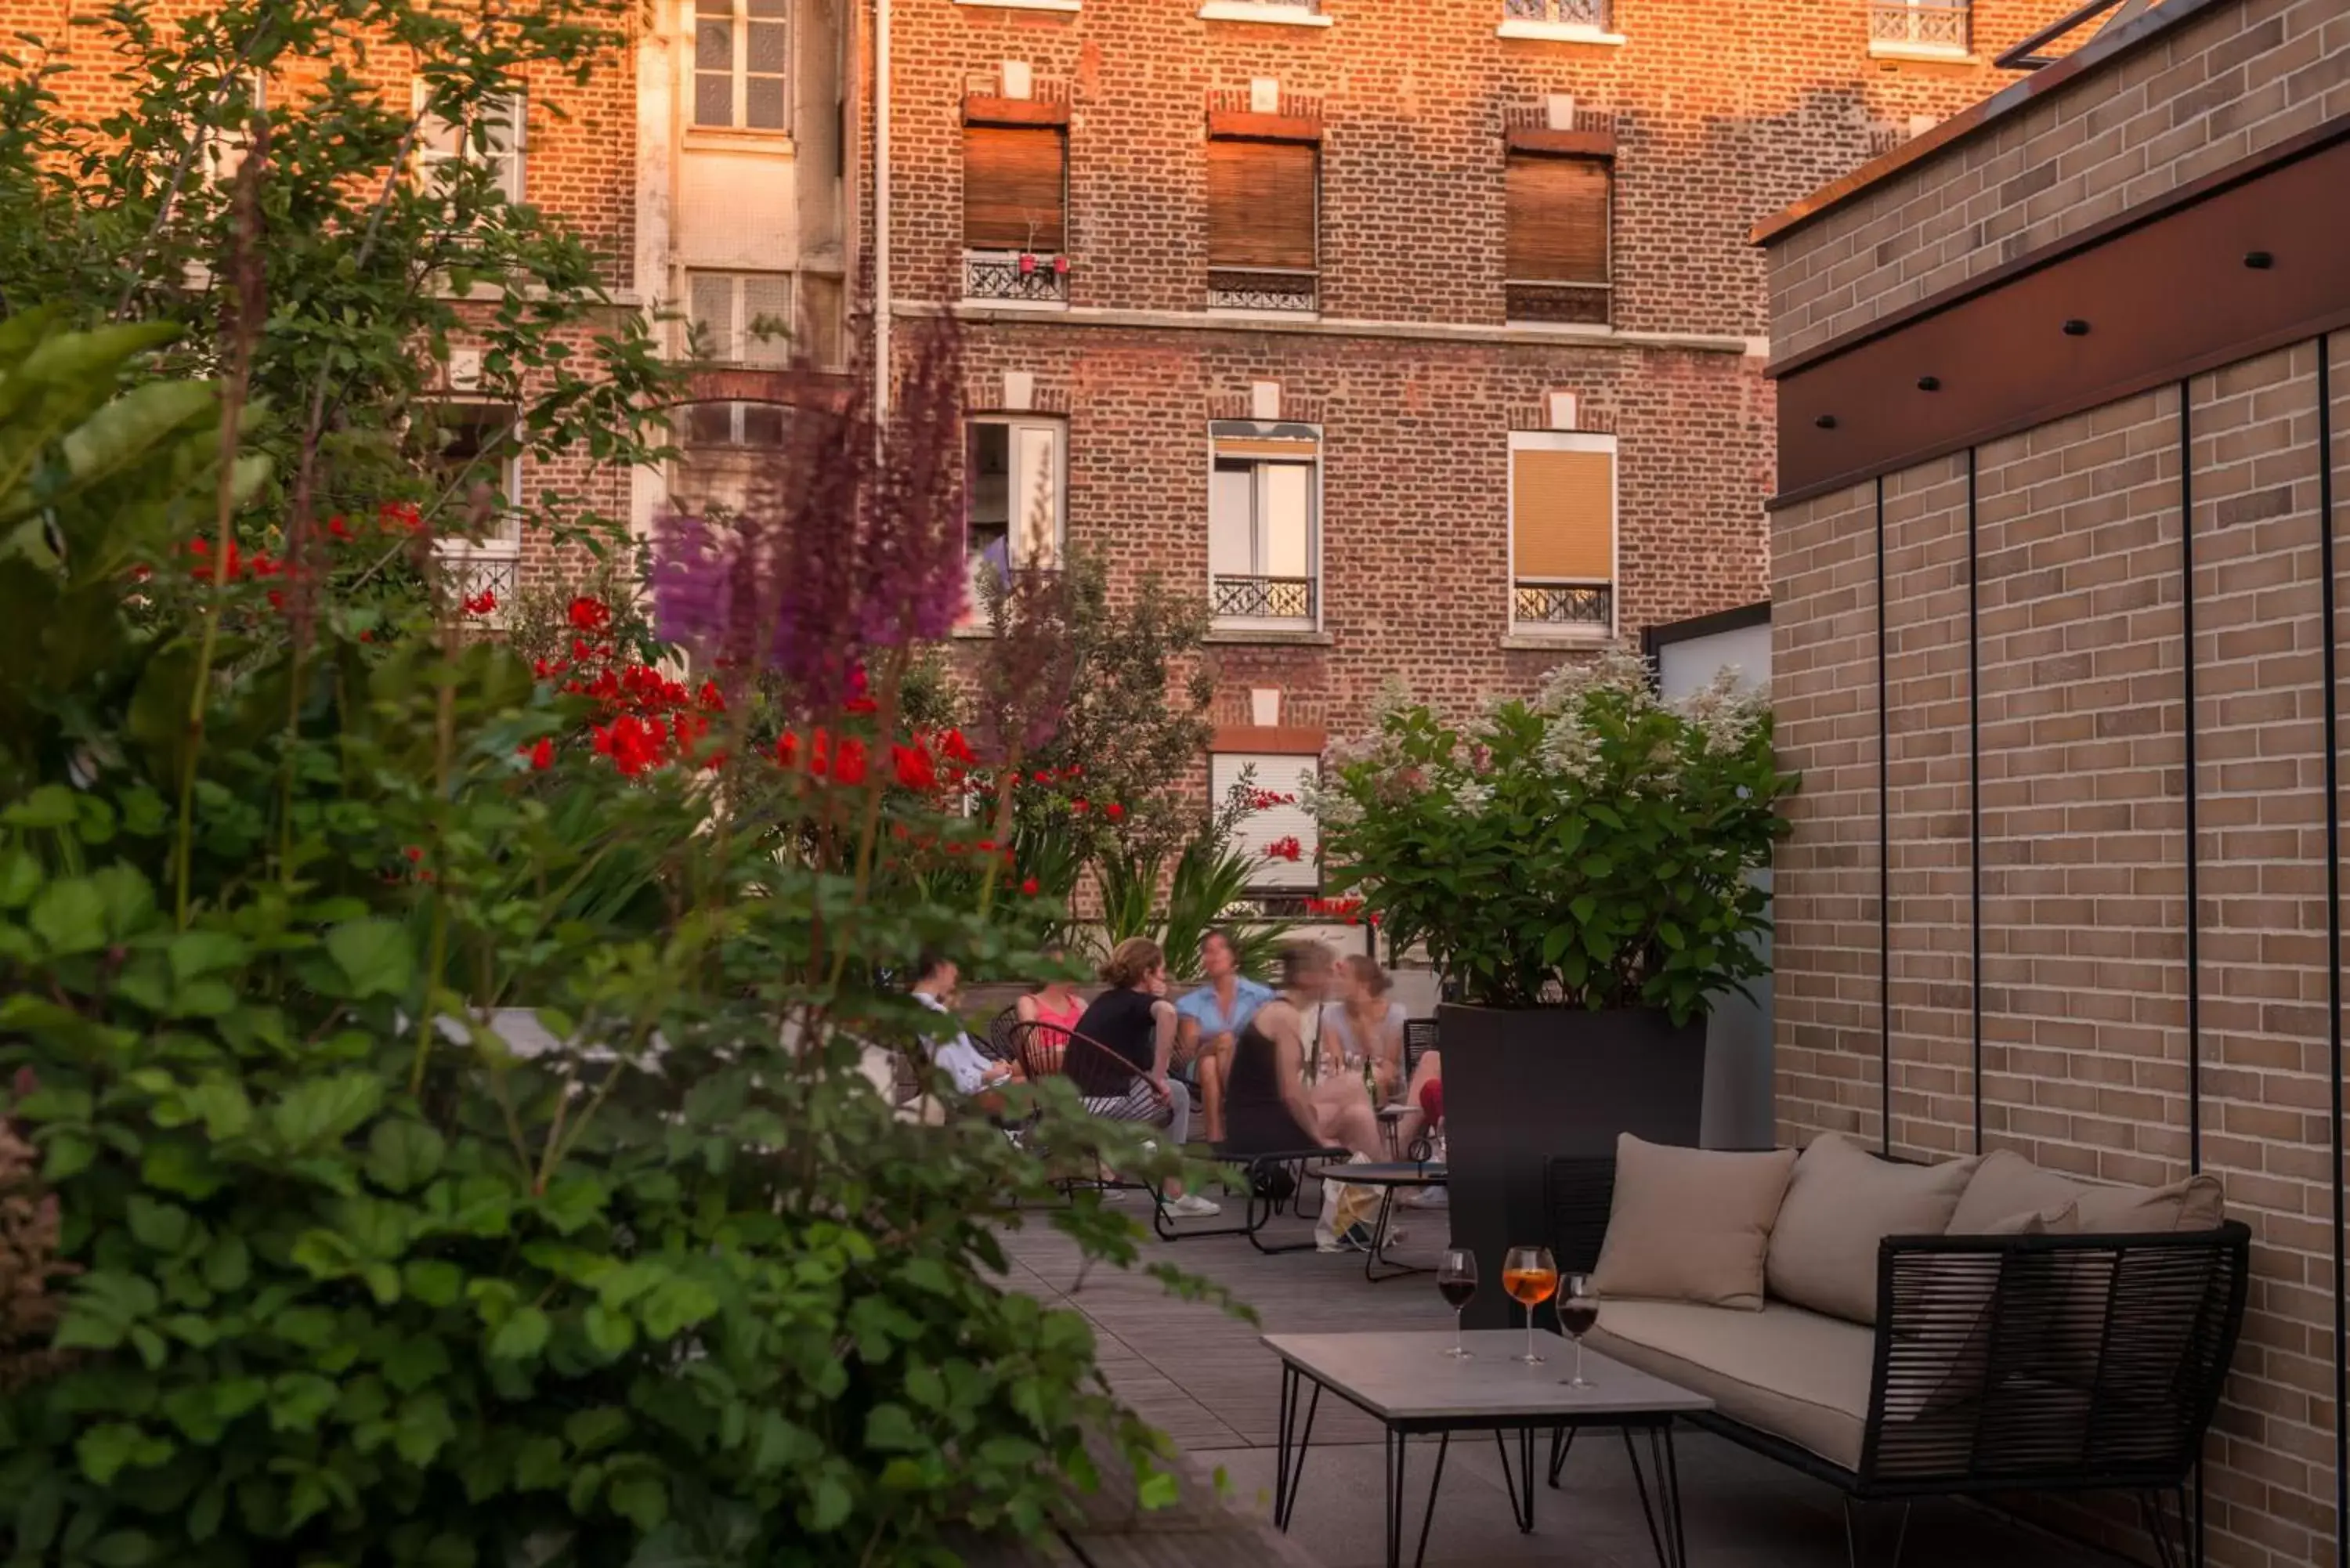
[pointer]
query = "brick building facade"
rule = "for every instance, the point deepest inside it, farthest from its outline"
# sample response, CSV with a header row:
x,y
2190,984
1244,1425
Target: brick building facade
x,y
1424,339
2053,638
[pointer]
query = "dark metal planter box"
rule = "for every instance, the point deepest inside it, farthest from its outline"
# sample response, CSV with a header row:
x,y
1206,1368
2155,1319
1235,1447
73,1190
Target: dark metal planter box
x,y
1522,1086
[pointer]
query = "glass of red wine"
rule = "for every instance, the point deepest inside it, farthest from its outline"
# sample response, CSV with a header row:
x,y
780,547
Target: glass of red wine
x,y
1578,1309
1456,1282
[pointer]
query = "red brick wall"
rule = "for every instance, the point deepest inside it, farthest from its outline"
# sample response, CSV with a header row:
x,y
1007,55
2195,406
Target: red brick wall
x,y
1722,113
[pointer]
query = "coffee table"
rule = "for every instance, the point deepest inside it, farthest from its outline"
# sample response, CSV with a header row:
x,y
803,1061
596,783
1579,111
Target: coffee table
x,y
1406,1383
1388,1176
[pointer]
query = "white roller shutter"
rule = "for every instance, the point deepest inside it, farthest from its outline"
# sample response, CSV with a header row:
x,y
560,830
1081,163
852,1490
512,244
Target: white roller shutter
x,y
1281,775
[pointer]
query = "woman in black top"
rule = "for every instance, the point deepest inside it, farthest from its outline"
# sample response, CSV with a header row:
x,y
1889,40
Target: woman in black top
x,y
1269,1109
1117,1058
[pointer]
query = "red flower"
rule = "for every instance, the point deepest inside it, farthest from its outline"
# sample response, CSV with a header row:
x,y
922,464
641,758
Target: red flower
x,y
913,767
955,748
848,763
483,603
413,853
956,846
1029,887
987,846
1115,812
787,749
1044,779
710,697
1285,849
589,613
338,528
1073,771
400,514
1078,805
542,754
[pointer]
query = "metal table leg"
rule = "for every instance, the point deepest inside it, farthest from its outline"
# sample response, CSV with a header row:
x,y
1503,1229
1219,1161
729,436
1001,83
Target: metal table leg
x,y
1664,1521
1288,1465
1520,1481
1443,1445
1375,1260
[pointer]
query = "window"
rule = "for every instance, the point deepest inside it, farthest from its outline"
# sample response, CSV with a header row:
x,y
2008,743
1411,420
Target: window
x,y
1015,506
1556,256
221,148
1562,533
1271,832
1263,223
1015,211
1928,29
1262,554
741,317
476,452
492,139
734,424
741,57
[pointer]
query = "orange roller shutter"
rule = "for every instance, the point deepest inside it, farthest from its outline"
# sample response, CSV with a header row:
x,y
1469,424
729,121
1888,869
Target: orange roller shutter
x,y
1012,188
1563,521
1261,204
1557,219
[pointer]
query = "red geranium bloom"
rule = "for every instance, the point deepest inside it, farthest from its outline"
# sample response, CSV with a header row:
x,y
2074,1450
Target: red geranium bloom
x,y
1029,887
589,613
400,515
1115,812
711,696
413,853
987,846
483,603
955,748
848,763
1285,849
787,749
541,754
1078,805
338,528
914,767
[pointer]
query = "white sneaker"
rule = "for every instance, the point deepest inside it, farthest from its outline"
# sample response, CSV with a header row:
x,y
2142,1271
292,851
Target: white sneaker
x,y
1191,1206
1430,1198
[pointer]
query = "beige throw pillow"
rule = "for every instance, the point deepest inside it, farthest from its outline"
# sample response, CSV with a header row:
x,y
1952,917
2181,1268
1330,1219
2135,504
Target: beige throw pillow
x,y
2007,1184
1842,1201
1690,1224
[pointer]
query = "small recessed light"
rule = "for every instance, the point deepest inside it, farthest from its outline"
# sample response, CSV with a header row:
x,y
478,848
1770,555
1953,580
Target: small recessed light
x,y
1826,421
2076,327
2259,261
1929,383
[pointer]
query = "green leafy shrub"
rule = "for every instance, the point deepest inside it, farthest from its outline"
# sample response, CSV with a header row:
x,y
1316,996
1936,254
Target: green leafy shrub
x,y
1596,847
366,1269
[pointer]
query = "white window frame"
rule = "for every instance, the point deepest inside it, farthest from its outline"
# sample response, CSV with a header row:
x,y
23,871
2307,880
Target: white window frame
x,y
1284,773
735,408
513,175
507,541
220,151
976,612
739,346
1564,441
1243,429
738,68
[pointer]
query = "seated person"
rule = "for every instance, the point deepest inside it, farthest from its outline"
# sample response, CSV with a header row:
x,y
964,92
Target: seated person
x,y
1055,1006
1117,1058
1272,1109
1210,1019
1359,1020
952,1050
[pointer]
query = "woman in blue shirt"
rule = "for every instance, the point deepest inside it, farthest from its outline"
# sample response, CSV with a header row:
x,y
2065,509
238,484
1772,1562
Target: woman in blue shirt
x,y
1209,1021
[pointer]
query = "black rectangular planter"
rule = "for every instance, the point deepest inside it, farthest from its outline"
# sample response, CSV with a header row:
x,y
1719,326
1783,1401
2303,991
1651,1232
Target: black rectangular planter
x,y
1523,1085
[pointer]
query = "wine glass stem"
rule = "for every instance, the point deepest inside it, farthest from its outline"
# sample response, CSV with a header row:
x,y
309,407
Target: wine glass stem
x,y
1529,1333
1457,1316
1578,1360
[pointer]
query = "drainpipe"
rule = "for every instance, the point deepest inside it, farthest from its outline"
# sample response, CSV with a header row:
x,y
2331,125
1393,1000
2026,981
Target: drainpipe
x,y
881,213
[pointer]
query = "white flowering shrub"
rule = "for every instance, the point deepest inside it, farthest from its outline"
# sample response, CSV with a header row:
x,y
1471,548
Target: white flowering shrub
x,y
1594,848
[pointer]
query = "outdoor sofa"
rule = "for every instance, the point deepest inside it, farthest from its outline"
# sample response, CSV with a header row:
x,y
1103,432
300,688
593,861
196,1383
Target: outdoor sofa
x,y
1903,1331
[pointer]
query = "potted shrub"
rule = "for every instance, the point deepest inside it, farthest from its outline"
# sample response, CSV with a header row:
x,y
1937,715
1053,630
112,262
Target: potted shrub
x,y
1579,869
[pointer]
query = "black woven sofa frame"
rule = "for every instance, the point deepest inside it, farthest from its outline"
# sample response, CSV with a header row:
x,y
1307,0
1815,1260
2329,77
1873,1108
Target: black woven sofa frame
x,y
2013,1364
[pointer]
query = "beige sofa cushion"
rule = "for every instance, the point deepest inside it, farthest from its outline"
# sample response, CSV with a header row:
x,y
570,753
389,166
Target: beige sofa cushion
x,y
2007,1184
1841,1203
1801,1375
1690,1224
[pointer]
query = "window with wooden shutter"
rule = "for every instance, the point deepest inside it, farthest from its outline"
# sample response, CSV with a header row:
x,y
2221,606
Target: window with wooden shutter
x,y
1556,252
1013,187
1563,530
1264,213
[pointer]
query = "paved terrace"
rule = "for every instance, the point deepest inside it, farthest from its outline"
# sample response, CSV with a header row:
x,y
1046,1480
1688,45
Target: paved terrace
x,y
1203,1377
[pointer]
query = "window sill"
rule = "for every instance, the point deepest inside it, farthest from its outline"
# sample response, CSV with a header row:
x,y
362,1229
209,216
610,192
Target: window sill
x,y
1525,640
982,632
1244,313
1025,5
1557,32
1268,637
727,139
1037,306
1937,54
1253,11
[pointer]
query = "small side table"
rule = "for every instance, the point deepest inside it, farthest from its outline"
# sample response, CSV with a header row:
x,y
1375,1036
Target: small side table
x,y
1390,1177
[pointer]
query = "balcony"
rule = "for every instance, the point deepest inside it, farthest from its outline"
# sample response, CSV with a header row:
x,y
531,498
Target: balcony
x,y
1015,277
1920,29
1550,304
1235,598
470,571
1565,21
1294,12
1262,288
1563,607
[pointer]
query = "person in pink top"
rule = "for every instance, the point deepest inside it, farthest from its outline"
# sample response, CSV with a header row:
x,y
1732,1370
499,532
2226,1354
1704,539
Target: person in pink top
x,y
1054,1004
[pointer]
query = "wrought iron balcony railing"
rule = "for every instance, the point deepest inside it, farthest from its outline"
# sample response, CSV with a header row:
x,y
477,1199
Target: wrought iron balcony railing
x,y
1568,13
1938,24
1557,304
1546,604
1262,288
469,572
1262,599
1002,274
